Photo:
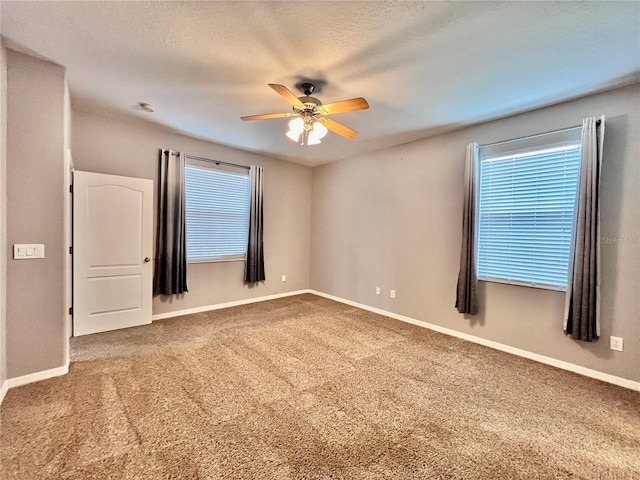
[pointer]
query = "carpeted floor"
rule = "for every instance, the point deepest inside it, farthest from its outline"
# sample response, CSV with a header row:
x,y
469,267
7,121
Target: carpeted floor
x,y
306,388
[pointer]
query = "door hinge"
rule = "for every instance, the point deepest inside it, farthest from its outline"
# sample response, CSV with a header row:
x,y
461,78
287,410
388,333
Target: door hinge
x,y
70,250
70,310
71,188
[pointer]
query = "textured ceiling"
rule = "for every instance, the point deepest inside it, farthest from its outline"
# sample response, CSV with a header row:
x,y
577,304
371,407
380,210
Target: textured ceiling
x,y
424,67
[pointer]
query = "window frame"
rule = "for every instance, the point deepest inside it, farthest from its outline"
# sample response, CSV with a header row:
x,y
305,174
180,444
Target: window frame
x,y
221,168
520,146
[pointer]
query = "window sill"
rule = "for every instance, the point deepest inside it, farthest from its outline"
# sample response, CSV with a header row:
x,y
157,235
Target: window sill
x,y
524,284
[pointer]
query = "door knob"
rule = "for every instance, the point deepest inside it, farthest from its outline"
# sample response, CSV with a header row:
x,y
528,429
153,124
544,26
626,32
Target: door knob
x,y
147,259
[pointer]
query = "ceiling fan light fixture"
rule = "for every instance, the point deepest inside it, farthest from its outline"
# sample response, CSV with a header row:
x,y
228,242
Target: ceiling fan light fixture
x,y
312,139
295,136
319,129
296,127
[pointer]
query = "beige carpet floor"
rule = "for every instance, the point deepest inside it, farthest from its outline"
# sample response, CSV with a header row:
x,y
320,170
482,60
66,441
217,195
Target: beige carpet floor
x,y
306,388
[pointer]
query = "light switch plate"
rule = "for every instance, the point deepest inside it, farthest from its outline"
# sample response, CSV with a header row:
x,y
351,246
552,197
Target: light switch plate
x,y
28,251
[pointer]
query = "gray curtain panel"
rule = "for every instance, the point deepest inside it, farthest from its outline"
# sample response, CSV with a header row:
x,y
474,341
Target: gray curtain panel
x,y
254,265
467,291
582,304
170,276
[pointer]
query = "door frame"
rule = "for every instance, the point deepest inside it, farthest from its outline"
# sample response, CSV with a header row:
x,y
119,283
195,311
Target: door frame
x,y
68,246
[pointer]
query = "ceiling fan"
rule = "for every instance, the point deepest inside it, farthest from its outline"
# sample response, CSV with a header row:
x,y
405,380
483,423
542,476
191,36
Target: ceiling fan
x,y
310,123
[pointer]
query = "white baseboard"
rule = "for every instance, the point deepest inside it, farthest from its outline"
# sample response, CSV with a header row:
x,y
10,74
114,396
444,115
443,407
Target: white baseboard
x,y
37,376
218,306
587,372
3,390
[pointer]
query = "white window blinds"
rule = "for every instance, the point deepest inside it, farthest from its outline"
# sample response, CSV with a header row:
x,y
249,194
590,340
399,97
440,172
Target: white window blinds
x,y
217,205
526,205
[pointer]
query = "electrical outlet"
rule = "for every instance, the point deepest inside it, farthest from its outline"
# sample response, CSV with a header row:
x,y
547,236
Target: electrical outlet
x,y
284,278
616,343
377,290
392,293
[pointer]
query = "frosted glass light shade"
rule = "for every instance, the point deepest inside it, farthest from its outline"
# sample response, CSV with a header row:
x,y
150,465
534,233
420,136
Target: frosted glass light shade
x,y
319,129
296,127
312,139
317,132
295,136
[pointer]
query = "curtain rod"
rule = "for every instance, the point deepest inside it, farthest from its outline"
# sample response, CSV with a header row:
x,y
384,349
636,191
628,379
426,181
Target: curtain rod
x,y
536,135
217,162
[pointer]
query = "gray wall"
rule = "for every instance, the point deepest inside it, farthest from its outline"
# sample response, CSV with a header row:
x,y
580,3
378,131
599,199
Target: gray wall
x,y
35,186
393,219
131,149
3,214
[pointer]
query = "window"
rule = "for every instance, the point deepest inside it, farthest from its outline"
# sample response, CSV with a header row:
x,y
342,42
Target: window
x,y
527,191
217,204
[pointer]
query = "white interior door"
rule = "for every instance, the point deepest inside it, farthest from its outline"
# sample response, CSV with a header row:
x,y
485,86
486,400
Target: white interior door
x,y
112,248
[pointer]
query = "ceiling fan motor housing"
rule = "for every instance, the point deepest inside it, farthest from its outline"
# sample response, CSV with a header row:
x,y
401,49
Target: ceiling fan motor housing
x,y
310,102
310,105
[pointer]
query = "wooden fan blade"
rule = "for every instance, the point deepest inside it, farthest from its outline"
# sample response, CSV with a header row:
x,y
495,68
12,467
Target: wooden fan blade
x,y
338,128
287,94
266,116
343,106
